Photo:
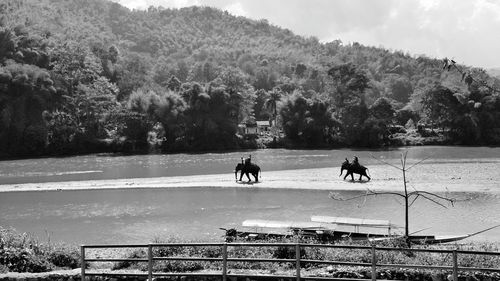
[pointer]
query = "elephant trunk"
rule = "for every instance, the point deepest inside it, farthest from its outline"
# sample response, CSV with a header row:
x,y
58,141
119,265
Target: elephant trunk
x,y
341,171
236,174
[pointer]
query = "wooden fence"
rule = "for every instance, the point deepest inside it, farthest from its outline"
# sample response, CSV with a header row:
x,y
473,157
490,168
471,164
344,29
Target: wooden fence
x,y
298,261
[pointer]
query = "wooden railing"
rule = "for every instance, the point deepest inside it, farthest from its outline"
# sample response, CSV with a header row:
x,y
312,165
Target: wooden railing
x,y
453,267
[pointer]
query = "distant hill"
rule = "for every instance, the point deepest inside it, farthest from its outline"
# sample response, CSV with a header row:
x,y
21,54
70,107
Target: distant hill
x,y
181,42
80,76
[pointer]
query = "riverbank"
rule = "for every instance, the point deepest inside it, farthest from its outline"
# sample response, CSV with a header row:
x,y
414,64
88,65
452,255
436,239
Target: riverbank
x,y
449,176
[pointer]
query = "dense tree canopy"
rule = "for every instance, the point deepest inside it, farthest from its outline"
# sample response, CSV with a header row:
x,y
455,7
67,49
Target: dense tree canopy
x,y
85,76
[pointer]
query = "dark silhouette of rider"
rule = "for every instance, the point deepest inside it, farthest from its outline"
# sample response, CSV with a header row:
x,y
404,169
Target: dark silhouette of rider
x,y
248,160
355,161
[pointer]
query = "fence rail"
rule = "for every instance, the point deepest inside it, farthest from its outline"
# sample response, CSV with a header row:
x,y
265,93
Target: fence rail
x,y
453,267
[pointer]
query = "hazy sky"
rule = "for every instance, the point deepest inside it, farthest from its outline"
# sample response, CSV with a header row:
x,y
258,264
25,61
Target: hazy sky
x,y
467,30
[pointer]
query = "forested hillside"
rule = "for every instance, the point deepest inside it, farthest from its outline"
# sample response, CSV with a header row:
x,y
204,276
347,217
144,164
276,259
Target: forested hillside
x,y
79,76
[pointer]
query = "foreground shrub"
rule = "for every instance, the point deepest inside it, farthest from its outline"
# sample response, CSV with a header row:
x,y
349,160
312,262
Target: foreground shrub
x,y
68,259
23,260
23,252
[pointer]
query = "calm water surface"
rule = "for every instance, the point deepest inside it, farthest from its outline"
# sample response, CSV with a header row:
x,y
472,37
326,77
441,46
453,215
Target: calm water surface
x,y
138,216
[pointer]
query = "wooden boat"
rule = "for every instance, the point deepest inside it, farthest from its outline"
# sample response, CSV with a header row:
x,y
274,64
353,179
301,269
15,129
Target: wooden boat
x,y
357,224
433,239
328,229
384,224
323,231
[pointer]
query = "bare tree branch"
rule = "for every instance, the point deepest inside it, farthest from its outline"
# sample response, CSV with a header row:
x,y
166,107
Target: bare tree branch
x,y
451,200
385,162
418,163
385,193
435,198
335,195
414,199
434,201
467,75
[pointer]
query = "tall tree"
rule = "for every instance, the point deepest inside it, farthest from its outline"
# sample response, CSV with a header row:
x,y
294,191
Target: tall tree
x,y
271,104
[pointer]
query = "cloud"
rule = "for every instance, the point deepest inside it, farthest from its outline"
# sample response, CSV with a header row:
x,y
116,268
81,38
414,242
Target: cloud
x,y
466,30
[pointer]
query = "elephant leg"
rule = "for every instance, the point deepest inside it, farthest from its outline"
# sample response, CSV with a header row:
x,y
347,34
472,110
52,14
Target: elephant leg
x,y
256,176
346,175
352,176
241,175
248,176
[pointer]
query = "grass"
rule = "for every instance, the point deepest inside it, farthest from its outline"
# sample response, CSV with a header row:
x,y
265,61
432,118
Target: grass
x,y
22,252
310,253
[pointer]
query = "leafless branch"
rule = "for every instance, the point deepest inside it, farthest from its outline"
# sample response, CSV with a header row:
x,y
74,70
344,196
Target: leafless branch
x,y
414,199
418,163
418,192
371,192
335,195
464,73
434,201
385,162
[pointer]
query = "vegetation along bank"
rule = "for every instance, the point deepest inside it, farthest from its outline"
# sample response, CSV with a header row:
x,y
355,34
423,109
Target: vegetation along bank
x,y
93,76
21,252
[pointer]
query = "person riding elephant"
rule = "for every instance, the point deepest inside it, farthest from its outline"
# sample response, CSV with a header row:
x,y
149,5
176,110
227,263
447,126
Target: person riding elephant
x,y
248,160
355,161
247,167
354,168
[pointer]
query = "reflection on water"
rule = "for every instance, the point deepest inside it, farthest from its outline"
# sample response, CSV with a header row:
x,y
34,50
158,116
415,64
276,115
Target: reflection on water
x,y
92,167
139,216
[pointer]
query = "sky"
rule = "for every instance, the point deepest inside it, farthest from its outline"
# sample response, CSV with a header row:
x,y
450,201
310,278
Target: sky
x,y
466,30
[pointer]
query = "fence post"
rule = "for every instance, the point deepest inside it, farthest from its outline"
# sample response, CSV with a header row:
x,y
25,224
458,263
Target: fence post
x,y
374,264
455,265
224,261
150,262
297,259
82,261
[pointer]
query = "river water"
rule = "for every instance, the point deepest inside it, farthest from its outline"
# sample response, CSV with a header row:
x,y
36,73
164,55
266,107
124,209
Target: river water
x,y
196,213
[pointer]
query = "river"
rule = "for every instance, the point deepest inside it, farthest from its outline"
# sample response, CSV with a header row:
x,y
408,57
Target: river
x,y
195,213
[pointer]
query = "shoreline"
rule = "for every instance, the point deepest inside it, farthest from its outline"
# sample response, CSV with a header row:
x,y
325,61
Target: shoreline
x,y
434,177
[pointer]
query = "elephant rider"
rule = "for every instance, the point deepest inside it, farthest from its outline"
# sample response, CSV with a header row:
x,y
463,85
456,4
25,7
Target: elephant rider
x,y
355,161
248,160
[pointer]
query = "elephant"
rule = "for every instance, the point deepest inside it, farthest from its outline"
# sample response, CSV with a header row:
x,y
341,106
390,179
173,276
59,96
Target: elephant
x,y
248,168
352,169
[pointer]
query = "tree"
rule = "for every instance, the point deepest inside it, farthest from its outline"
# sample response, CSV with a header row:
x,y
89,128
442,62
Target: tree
x,y
24,93
352,122
478,120
211,116
293,115
405,114
167,108
399,88
382,109
468,77
440,105
348,85
132,73
84,92
307,122
409,197
271,104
